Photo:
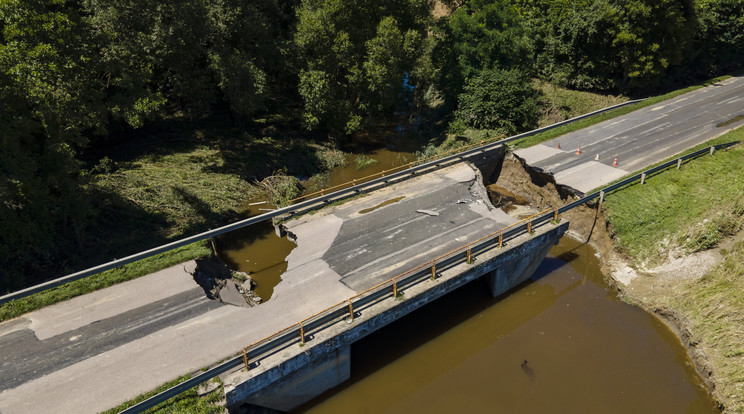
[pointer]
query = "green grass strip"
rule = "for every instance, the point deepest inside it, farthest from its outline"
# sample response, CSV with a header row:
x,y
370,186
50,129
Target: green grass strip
x,y
189,402
102,280
714,307
672,207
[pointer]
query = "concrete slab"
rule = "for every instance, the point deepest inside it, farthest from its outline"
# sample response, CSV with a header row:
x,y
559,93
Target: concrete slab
x,y
375,241
230,295
589,175
538,152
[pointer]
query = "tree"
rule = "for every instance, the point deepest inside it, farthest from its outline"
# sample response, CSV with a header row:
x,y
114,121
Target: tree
x,y
720,40
354,56
612,44
479,35
497,99
49,98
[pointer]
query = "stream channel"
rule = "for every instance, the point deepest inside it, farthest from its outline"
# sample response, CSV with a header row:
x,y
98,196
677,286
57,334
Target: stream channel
x,y
585,350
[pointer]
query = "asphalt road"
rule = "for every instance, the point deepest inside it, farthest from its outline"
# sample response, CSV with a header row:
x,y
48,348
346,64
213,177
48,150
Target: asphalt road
x,y
25,357
641,138
98,350
439,213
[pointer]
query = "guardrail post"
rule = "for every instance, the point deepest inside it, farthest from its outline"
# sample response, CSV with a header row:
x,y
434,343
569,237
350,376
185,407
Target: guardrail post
x,y
469,256
351,311
433,271
529,227
679,163
395,288
555,214
643,178
712,149
302,334
245,360
501,240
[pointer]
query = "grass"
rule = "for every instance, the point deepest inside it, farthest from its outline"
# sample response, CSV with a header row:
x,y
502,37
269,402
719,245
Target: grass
x,y
692,207
111,277
154,189
189,402
714,308
559,103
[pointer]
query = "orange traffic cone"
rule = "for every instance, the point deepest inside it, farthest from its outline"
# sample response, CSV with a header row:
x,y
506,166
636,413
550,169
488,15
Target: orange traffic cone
x,y
578,151
614,163
596,158
559,145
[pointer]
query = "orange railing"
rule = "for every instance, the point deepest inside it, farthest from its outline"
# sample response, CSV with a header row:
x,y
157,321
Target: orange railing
x,y
432,264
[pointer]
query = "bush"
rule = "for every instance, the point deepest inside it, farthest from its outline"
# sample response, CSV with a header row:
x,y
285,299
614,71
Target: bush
x,y
503,100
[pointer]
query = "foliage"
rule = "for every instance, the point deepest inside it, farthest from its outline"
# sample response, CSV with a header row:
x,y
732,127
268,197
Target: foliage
x,y
357,59
363,161
479,35
651,218
282,189
714,308
612,44
497,99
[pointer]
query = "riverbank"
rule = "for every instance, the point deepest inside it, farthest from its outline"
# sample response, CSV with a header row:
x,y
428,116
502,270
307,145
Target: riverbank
x,y
674,248
678,253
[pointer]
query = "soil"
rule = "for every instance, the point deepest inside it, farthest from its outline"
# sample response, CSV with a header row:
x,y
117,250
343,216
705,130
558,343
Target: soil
x,y
642,287
212,274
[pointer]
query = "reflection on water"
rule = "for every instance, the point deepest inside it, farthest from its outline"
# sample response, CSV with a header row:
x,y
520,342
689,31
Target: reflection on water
x,y
386,159
258,251
586,352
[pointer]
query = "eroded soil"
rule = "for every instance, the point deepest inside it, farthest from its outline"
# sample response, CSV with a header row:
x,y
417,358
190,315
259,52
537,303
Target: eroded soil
x,y
641,287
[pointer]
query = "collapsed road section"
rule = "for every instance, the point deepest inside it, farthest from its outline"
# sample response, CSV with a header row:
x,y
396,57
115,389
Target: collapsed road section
x,y
359,246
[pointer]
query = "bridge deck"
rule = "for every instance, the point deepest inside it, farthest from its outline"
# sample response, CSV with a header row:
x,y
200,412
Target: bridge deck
x,y
164,344
366,241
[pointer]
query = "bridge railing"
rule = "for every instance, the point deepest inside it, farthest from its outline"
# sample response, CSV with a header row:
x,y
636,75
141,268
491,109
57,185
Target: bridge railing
x,y
309,202
304,330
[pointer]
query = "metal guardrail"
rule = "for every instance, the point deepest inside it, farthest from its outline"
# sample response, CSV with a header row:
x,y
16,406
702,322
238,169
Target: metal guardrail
x,y
305,204
302,331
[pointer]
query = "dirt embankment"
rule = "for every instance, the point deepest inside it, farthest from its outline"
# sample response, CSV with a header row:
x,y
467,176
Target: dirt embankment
x,y
521,191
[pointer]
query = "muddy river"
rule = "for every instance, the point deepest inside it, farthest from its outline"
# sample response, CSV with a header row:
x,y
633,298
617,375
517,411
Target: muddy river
x,y
559,343
585,352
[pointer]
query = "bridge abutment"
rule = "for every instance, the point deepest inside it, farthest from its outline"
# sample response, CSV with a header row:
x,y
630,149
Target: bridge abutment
x,y
297,373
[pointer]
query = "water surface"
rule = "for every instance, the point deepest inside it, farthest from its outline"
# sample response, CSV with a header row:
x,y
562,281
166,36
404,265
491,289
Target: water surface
x,y
586,352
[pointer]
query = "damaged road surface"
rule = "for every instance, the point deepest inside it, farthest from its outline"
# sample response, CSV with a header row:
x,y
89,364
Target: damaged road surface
x,y
440,212
98,350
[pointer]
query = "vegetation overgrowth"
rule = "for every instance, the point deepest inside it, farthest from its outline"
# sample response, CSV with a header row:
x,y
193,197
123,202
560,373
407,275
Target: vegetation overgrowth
x,y
265,79
690,208
685,211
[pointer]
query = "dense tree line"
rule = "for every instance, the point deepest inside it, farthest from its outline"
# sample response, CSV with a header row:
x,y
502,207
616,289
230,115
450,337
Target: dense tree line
x,y
74,71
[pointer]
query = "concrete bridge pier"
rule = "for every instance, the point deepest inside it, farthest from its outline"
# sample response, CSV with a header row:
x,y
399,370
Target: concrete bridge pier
x,y
298,373
298,380
511,270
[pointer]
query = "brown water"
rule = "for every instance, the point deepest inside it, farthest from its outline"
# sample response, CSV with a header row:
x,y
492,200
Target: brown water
x,y
586,352
258,251
385,160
